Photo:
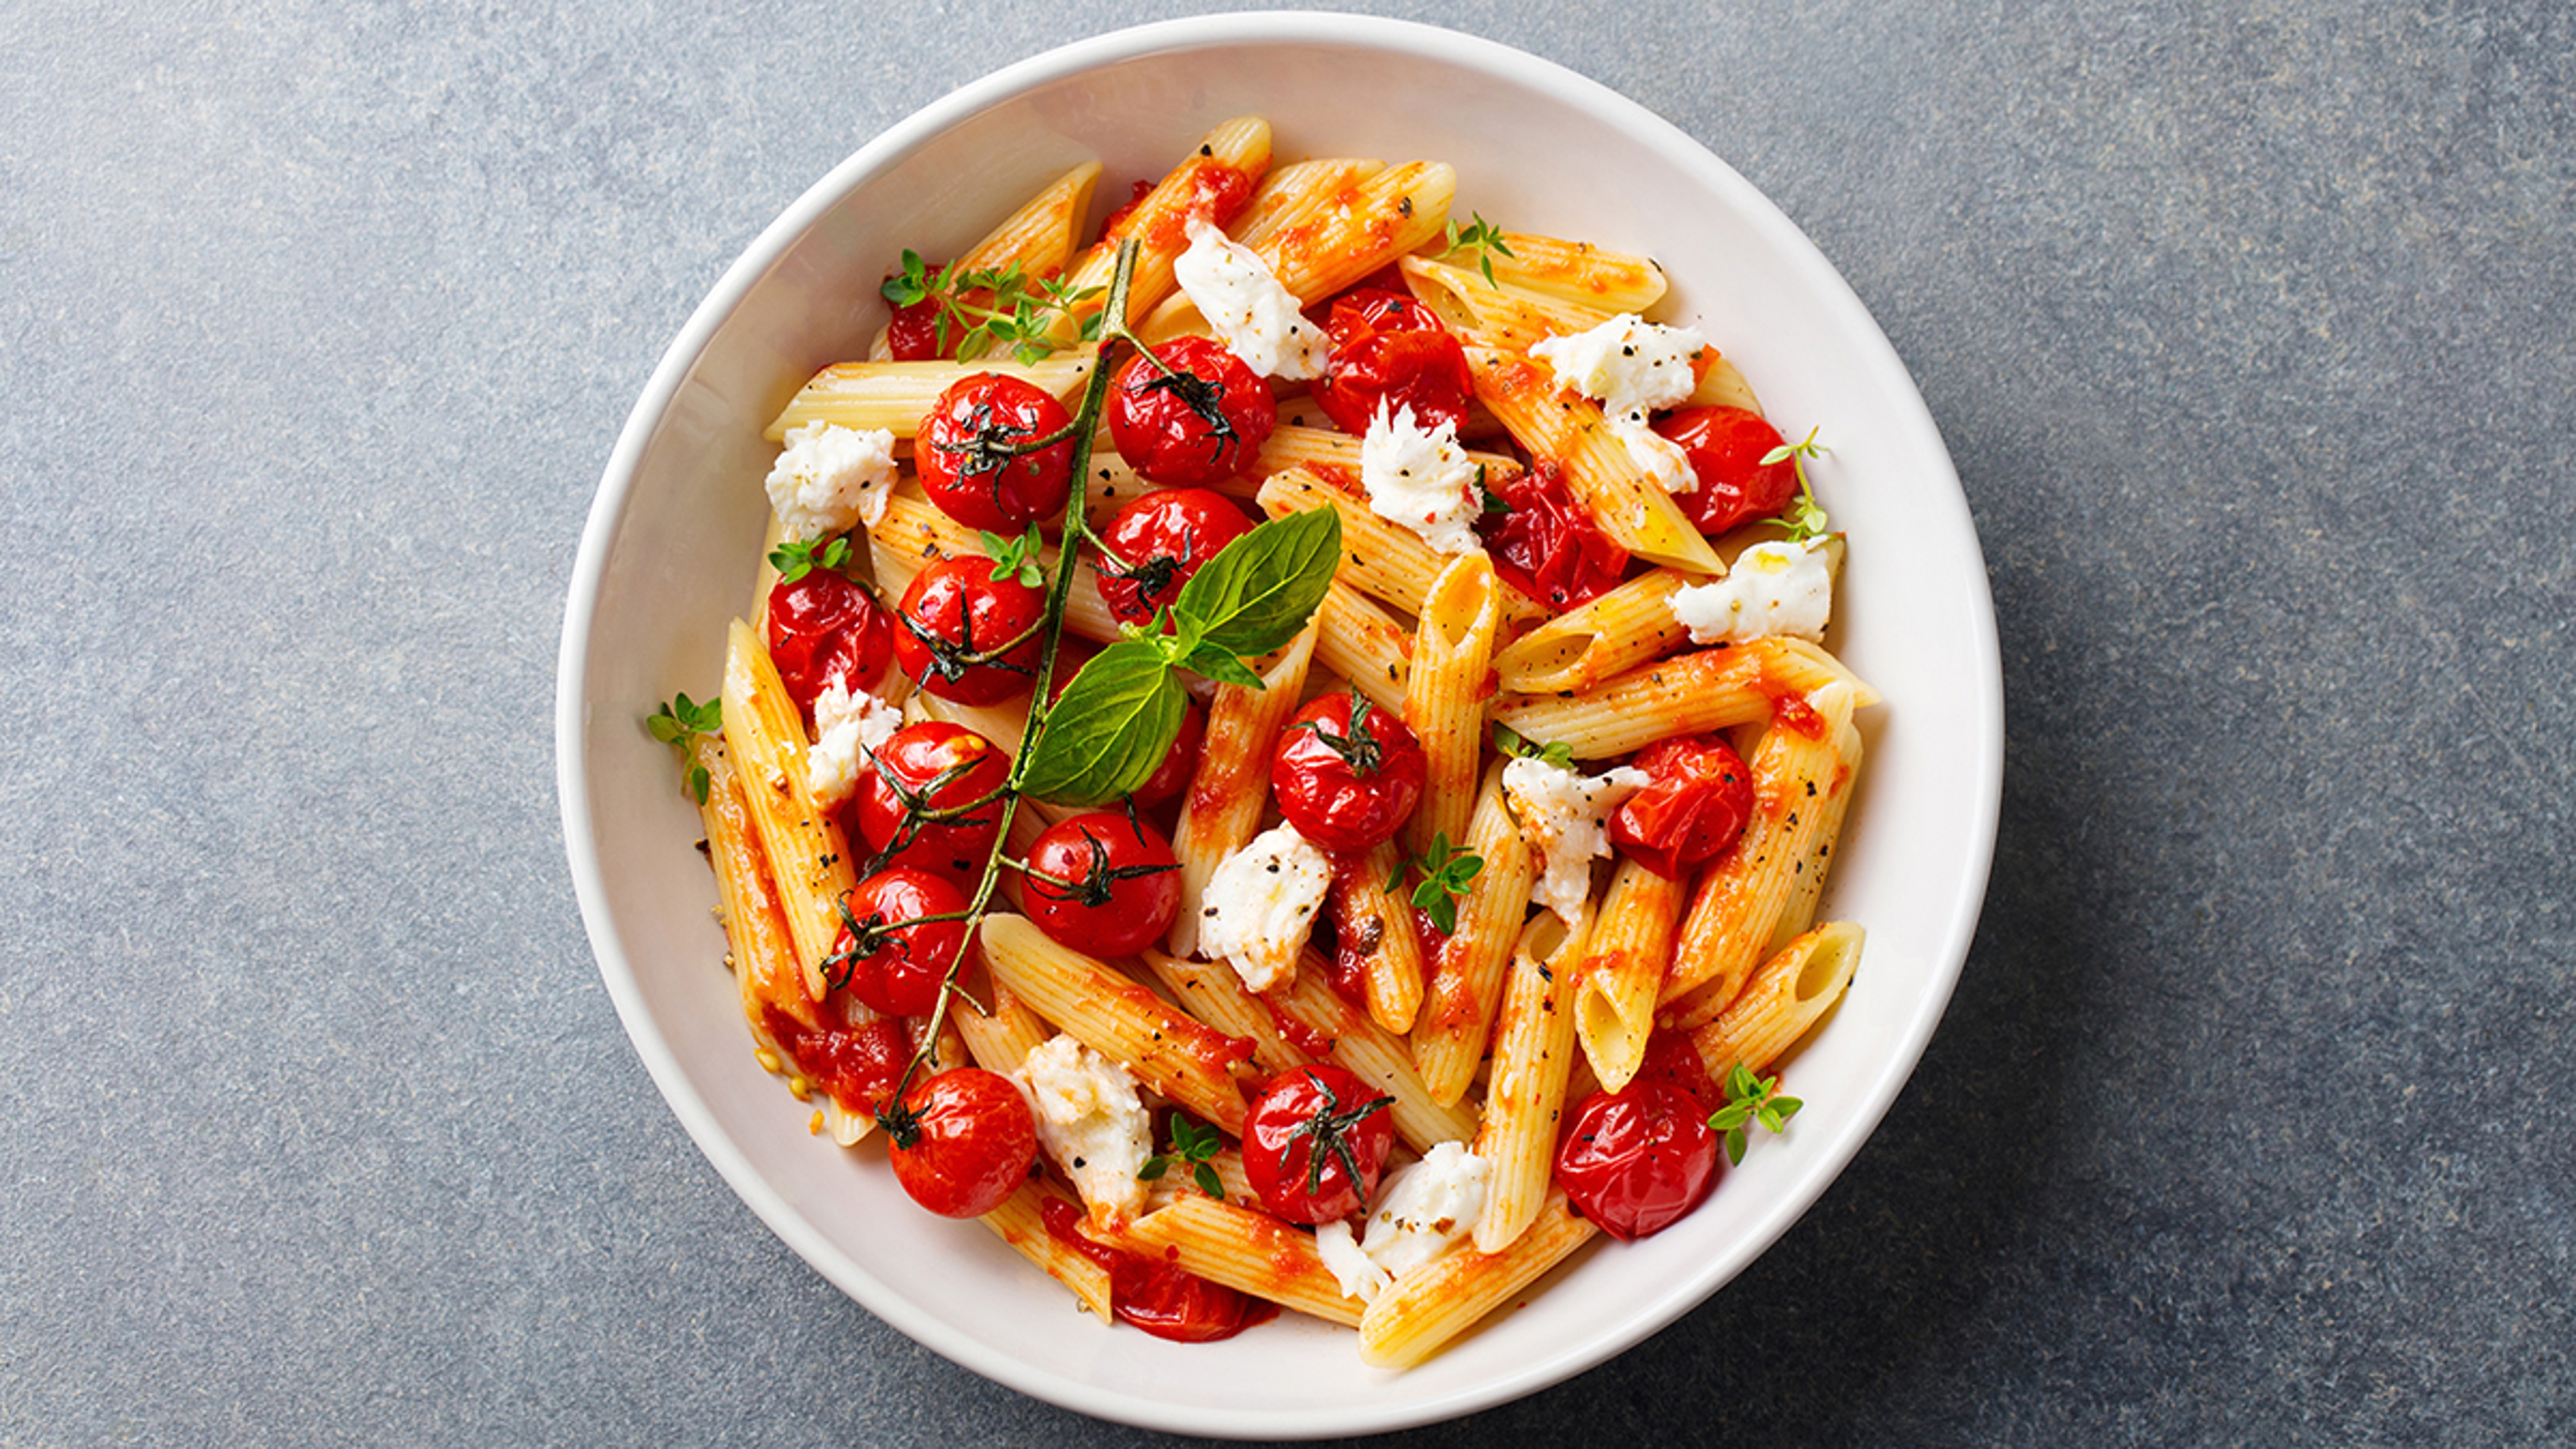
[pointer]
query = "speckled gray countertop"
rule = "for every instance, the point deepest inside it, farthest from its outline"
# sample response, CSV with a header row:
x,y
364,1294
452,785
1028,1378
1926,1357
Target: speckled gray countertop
x,y
2247,323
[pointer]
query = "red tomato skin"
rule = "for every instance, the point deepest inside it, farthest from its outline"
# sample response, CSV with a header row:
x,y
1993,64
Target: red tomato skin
x,y
1546,545
1180,762
912,333
902,977
1331,802
1693,810
1636,1161
977,1141
1390,350
982,488
858,1065
1128,914
1168,441
1164,537
1157,1296
1277,1158
908,764
958,601
1726,448
824,629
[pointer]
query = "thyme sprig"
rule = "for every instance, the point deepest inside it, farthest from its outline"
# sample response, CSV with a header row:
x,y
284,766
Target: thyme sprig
x,y
1751,1099
681,723
1017,310
1479,236
1802,518
1194,1143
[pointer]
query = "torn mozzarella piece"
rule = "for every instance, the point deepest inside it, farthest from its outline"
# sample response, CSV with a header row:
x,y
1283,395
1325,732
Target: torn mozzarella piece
x,y
1561,814
1091,1121
1633,367
1358,1275
831,479
1776,590
1260,904
1257,319
1423,1210
849,730
1422,479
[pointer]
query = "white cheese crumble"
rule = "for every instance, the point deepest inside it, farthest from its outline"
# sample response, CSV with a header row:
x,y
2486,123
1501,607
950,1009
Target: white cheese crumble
x,y
1422,479
1776,590
1561,816
1422,1211
1261,903
1633,367
831,479
1257,319
1091,1121
849,729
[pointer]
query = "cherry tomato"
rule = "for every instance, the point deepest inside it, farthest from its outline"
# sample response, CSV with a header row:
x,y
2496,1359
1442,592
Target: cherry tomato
x,y
1194,419
1347,774
968,459
1163,537
825,630
1636,1160
930,767
968,636
1672,1061
963,1142
1546,545
1156,1296
1180,762
1102,884
1314,1141
1390,349
891,967
1692,810
858,1064
1137,190
1726,448
912,332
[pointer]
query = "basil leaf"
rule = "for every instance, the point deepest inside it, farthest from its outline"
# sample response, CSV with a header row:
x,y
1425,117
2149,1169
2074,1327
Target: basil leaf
x,y
1112,726
1262,588
1219,664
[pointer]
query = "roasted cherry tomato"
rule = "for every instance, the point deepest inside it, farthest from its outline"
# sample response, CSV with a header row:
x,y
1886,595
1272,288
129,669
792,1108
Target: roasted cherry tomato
x,y
928,770
970,453
1102,884
1314,1141
1726,448
963,1142
1161,539
1180,762
1389,350
1636,1160
1545,544
1200,186
1692,810
1347,773
968,636
1158,1297
912,332
825,630
892,967
1672,1061
1194,419
857,1063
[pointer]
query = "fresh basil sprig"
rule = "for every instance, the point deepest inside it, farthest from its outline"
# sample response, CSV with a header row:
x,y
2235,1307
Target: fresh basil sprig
x,y
1119,716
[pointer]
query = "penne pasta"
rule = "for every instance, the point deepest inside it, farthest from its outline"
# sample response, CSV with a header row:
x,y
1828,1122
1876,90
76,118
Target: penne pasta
x,y
1533,1054
1466,981
1616,980
1384,560
895,395
1356,640
1626,502
1021,1222
1782,1002
1159,221
1244,1249
1608,635
1373,922
1689,694
1223,805
1453,649
1426,1308
1482,314
1038,238
809,858
1576,271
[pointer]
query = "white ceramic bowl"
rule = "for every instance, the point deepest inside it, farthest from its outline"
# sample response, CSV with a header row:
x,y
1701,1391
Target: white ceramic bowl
x,y
669,555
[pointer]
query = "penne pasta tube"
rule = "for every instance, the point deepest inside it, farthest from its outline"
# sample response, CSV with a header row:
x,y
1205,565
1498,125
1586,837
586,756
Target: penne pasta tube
x,y
1212,992
1243,1248
1425,1309
1168,1050
1601,472
1361,228
1381,559
1444,702
1525,1095
1709,689
1159,222
1290,195
1466,980
895,395
1791,992
1356,640
1374,1055
758,946
1484,314
1291,445
1616,980
1220,812
1375,924
809,858
1721,385
1576,271
1608,635
1001,1041
1038,238
1798,768
1021,1222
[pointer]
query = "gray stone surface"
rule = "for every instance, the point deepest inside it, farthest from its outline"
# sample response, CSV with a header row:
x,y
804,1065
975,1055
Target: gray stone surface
x,y
2247,323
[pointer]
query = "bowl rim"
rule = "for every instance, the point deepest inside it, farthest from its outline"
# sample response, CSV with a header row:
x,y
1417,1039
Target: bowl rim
x,y
609,507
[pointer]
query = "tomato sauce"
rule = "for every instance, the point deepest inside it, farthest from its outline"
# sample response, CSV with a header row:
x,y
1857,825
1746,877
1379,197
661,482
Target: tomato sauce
x,y
1159,1297
857,1065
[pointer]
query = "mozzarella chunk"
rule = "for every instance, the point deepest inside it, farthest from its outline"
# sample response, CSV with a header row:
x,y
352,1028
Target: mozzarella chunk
x,y
1091,1121
1261,903
1257,319
831,479
1633,367
1422,1211
1776,590
1560,814
1358,1274
850,729
1422,479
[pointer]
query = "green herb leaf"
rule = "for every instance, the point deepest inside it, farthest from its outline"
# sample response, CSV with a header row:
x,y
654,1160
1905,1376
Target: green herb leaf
x,y
1554,752
1750,1099
796,558
1220,664
1447,873
1191,1143
1016,557
1802,518
1262,588
1481,237
674,723
1109,730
